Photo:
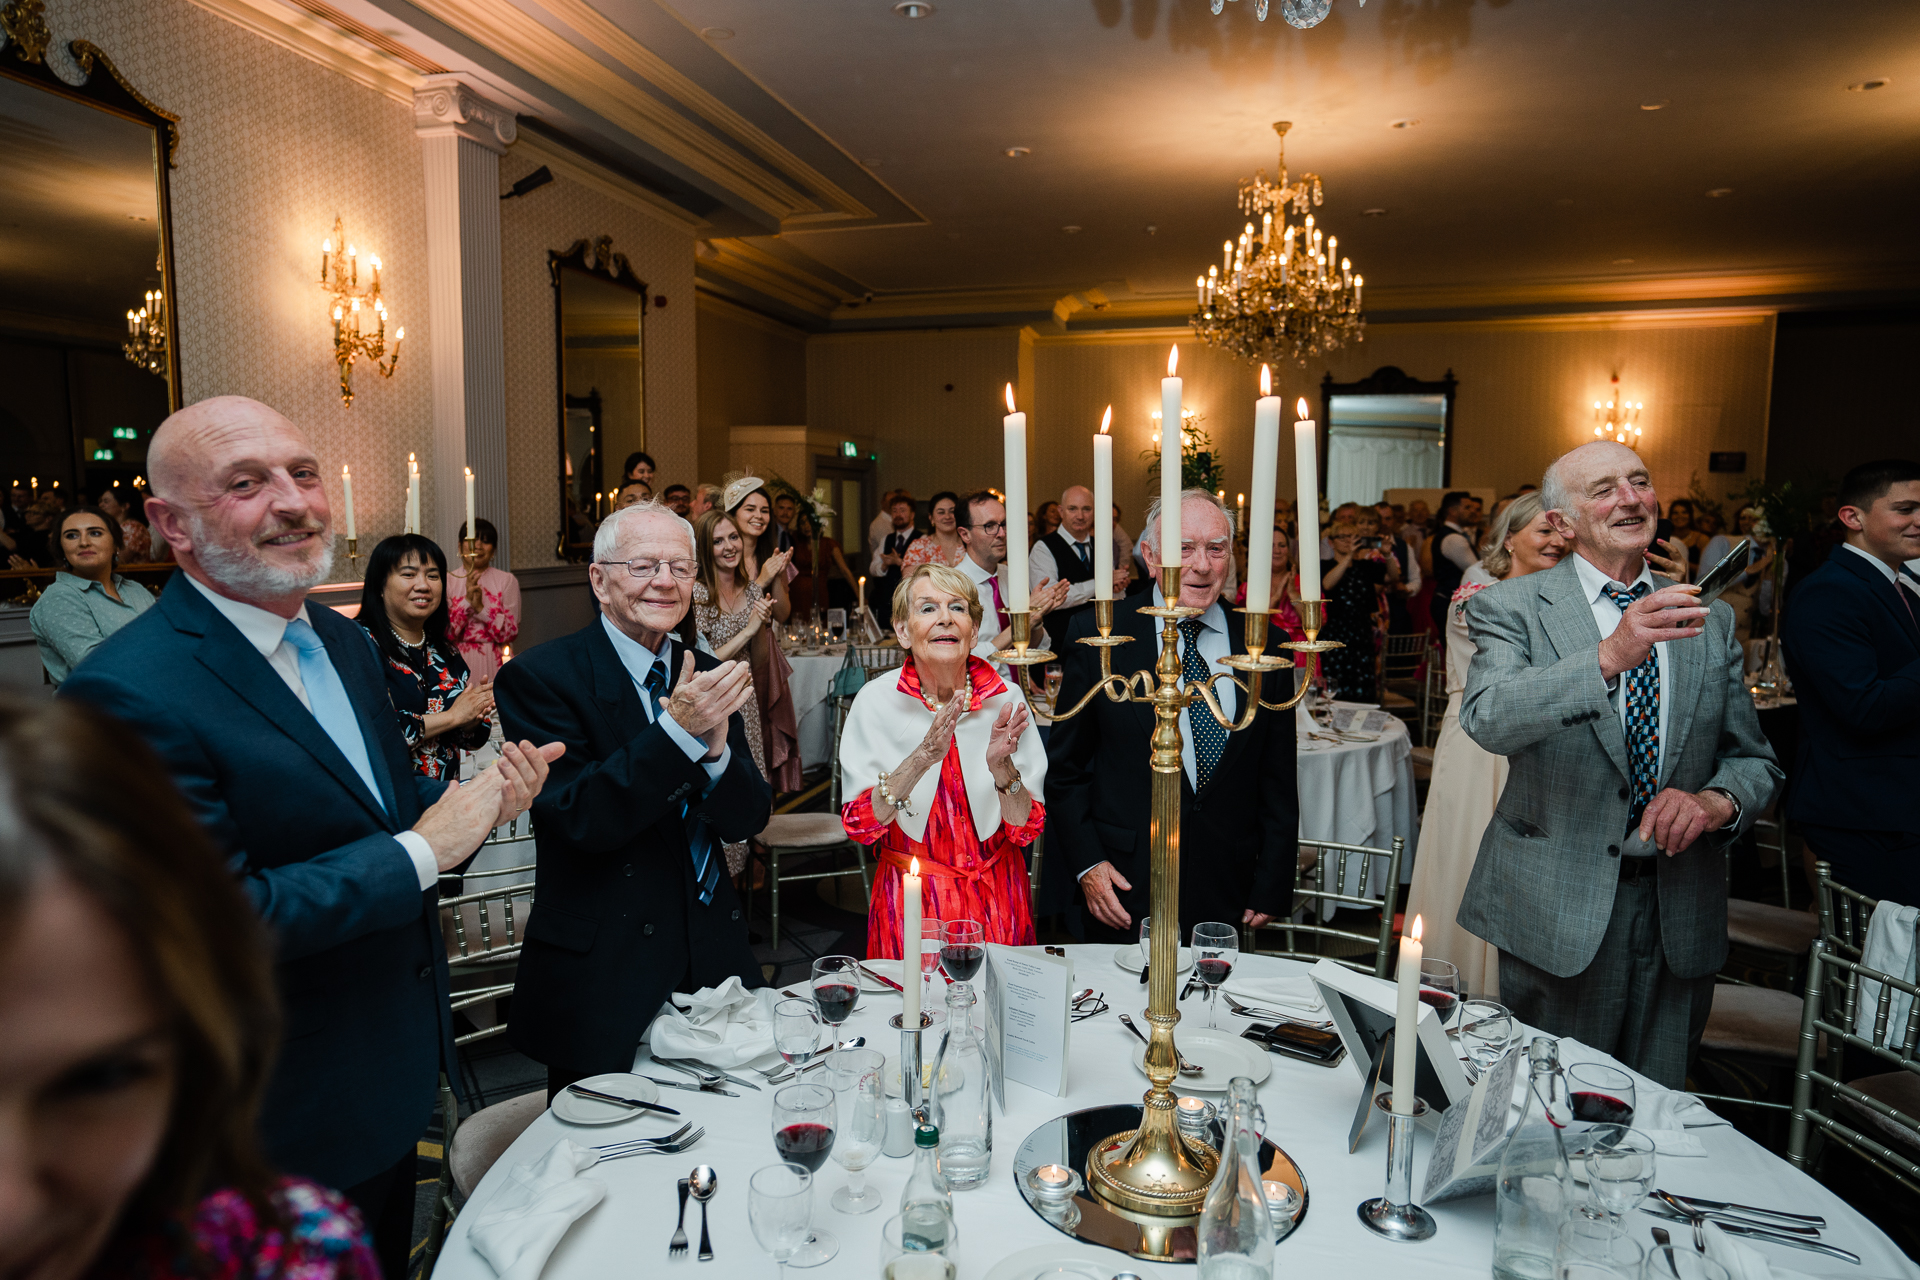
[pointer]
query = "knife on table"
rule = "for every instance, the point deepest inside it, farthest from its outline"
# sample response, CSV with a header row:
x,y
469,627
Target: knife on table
x,y
682,1064
1758,1232
690,1087
882,980
598,1096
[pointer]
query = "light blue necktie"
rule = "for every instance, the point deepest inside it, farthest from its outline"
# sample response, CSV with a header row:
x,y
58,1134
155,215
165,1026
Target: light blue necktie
x,y
706,867
1643,717
328,700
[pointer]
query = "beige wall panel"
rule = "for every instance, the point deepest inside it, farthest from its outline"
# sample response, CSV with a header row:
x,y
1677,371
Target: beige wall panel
x,y
752,370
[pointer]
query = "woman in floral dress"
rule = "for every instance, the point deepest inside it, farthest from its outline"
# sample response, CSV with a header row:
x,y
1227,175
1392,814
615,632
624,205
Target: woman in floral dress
x,y
443,709
730,612
483,611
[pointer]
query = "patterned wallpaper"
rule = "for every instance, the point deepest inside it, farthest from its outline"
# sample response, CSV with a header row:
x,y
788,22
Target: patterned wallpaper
x,y
553,217
272,146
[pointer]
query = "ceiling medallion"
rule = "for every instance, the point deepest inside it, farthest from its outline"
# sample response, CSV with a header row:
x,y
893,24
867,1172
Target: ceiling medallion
x,y
1298,13
1281,291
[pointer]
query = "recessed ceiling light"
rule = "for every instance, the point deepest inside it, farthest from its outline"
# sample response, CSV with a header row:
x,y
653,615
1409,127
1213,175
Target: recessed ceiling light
x,y
1623,262
1402,124
717,33
914,9
1152,229
1072,231
1015,153
1717,192
1373,213
1878,82
1656,105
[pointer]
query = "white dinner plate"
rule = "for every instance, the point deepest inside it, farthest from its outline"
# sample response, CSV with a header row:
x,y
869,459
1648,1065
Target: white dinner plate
x,y
1221,1055
574,1109
885,968
1066,1261
1128,958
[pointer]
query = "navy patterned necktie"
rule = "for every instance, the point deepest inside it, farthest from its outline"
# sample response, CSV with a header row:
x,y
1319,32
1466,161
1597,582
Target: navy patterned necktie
x,y
1643,716
706,867
1209,735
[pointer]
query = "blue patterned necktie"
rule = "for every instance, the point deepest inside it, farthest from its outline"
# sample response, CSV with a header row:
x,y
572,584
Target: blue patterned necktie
x,y
1209,735
706,867
1643,716
327,699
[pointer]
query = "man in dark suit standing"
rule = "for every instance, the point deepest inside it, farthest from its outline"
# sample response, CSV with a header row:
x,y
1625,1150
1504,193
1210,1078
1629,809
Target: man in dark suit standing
x,y
1239,799
273,718
1852,645
634,902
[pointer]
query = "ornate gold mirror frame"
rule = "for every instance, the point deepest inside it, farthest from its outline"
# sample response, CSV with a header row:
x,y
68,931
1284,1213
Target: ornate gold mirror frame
x,y
24,58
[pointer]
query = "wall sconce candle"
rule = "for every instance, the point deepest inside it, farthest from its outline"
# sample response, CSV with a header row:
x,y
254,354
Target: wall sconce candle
x,y
340,277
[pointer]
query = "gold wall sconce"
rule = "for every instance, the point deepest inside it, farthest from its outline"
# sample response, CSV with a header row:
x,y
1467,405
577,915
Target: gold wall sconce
x,y
146,343
340,277
1618,418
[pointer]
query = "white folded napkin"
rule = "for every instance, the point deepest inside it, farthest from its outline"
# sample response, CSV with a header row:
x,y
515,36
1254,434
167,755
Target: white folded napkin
x,y
523,1222
725,1026
1287,994
1890,950
1742,1261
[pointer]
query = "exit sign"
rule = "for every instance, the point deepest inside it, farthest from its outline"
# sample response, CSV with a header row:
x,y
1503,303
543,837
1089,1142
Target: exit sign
x,y
848,449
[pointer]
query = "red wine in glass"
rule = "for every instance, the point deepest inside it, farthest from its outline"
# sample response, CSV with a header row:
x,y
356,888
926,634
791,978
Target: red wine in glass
x,y
1601,1108
806,1145
835,1000
1443,1002
1213,970
962,962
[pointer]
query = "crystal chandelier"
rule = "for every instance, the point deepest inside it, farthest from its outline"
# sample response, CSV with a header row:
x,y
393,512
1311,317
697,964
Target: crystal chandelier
x,y
146,343
1282,290
1298,13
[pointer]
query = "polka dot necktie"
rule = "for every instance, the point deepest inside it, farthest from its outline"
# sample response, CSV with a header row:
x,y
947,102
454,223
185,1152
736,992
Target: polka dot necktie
x,y
1209,735
1643,716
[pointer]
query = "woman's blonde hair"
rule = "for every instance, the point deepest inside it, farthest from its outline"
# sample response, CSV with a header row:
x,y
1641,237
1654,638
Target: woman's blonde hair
x,y
1519,514
945,578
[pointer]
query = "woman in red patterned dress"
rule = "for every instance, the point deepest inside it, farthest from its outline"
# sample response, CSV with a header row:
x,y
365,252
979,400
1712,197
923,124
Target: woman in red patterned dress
x,y
941,767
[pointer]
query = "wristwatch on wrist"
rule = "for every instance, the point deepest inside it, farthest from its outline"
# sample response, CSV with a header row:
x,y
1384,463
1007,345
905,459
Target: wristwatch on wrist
x,y
1012,788
1733,800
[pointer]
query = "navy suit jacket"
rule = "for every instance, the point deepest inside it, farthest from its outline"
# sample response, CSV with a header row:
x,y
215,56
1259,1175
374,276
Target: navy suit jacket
x,y
619,926
360,963
1854,655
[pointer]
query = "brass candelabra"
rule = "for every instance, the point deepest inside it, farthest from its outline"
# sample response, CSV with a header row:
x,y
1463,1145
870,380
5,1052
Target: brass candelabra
x,y
1155,1170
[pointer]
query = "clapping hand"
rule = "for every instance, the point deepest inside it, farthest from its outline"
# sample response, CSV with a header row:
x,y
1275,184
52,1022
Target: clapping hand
x,y
1005,735
1045,598
703,701
456,823
474,703
758,612
933,748
776,565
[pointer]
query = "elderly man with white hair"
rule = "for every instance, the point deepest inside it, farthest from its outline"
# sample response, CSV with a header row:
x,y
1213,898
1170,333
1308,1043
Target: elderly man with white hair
x,y
1635,756
1239,806
658,776
273,719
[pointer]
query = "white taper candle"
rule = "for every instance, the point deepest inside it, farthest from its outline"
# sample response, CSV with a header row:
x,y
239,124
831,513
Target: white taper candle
x,y
1266,472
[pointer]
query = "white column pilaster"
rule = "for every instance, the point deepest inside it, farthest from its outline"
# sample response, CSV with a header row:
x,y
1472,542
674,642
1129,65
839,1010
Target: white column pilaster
x,y
462,136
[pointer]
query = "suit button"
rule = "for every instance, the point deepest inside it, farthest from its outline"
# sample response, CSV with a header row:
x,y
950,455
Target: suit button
x,y
1564,722
1623,793
647,931
628,869
736,913
1614,849
426,972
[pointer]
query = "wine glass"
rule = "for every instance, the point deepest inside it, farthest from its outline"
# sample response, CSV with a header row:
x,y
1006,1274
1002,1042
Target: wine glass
x,y
921,1244
932,938
1486,1029
854,1076
796,1032
836,989
1598,1094
963,949
779,1205
803,1133
1682,1262
1440,987
1620,1168
1146,941
1215,949
1595,1249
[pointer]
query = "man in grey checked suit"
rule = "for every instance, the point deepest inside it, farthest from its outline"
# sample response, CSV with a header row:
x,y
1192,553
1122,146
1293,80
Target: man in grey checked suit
x,y
1635,757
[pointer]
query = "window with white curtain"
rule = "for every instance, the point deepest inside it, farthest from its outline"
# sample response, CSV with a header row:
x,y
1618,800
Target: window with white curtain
x,y
1376,443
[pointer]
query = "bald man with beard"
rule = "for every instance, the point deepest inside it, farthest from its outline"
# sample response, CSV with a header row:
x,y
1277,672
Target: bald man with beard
x,y
273,719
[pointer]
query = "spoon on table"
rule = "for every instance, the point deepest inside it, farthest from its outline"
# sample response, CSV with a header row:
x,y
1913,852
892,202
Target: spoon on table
x,y
703,1182
1186,1068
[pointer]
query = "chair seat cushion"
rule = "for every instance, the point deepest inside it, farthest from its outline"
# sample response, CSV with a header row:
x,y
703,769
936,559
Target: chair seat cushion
x,y
1765,927
1899,1090
487,1133
1754,1020
804,830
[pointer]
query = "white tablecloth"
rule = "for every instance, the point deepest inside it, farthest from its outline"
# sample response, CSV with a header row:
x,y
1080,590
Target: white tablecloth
x,y
812,681
1308,1109
1361,793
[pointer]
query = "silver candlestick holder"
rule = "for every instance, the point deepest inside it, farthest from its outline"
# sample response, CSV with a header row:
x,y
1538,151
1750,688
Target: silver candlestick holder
x,y
911,1061
1393,1214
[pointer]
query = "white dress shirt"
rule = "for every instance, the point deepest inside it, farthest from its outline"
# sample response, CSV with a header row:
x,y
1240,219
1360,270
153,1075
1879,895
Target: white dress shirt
x,y
639,660
983,646
1607,615
876,567
1042,566
1887,571
267,633
1461,552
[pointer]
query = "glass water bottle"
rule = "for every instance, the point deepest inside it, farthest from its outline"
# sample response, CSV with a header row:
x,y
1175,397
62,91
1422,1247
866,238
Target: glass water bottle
x,y
926,1206
1236,1234
1535,1189
961,1102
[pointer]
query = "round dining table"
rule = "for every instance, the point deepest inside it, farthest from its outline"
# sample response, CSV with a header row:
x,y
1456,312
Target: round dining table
x,y
810,686
1357,788
1308,1109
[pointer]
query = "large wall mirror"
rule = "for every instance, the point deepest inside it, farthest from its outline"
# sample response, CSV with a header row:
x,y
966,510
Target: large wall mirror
x,y
1387,431
598,308
84,242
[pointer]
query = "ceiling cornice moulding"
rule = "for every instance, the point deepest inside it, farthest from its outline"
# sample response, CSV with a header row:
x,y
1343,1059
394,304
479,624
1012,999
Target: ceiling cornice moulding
x,y
322,42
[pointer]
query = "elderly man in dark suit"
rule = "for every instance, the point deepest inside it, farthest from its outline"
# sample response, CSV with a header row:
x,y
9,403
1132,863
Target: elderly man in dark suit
x,y
1239,797
274,720
657,776
1635,756
1852,644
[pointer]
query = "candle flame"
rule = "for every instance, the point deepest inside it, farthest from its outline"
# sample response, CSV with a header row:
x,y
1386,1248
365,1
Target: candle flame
x,y
1106,420
1266,381
1010,397
914,867
1418,928
1300,408
469,471
345,471
1173,360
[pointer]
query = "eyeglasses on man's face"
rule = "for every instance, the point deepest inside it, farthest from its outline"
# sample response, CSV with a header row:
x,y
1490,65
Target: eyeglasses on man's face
x,y
646,570
990,526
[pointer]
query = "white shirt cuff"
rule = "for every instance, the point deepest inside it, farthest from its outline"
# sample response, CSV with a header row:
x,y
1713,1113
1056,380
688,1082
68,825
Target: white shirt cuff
x,y
715,768
696,748
425,865
1083,875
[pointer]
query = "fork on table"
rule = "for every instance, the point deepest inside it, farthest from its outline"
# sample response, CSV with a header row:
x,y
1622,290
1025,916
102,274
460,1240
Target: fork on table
x,y
679,1140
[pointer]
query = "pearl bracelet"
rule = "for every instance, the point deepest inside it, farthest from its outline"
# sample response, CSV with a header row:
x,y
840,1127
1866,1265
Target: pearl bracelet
x,y
899,806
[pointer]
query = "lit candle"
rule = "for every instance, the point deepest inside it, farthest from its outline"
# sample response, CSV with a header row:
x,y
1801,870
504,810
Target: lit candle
x,y
1170,434
910,946
1240,514
413,495
506,654
1406,1021
1266,471
346,482
473,530
1103,509
1015,425
1307,485
863,593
